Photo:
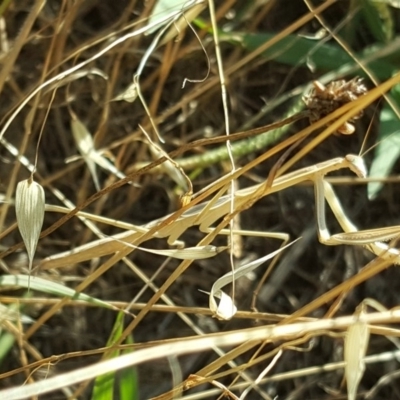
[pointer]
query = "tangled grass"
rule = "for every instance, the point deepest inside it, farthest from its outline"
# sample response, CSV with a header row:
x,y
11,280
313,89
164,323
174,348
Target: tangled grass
x,y
122,114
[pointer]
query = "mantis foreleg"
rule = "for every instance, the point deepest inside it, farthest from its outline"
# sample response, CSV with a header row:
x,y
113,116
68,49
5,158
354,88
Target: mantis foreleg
x,y
371,239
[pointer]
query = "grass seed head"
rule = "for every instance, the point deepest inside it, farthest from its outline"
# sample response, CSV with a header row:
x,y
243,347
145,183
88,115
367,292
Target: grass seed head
x,y
29,209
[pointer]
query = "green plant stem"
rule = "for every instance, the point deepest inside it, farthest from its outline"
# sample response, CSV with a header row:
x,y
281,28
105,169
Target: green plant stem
x,y
246,146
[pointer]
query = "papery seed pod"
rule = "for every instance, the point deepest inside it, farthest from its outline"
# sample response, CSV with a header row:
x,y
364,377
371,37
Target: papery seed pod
x,y
129,95
29,209
226,309
85,145
355,347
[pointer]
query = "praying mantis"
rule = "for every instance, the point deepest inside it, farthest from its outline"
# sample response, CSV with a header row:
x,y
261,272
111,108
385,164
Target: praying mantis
x,y
207,213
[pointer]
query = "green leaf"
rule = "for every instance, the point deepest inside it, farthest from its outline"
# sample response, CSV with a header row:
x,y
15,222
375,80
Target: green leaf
x,y
300,51
7,341
388,150
104,384
379,19
128,379
43,285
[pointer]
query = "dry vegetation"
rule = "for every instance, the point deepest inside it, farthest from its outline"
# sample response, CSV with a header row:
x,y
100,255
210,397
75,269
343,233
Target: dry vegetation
x,y
65,69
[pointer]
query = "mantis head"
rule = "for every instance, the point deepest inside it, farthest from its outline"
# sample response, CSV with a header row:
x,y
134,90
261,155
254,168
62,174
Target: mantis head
x,y
357,165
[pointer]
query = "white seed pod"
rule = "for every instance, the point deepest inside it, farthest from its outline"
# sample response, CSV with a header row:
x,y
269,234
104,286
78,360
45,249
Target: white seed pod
x,y
226,308
29,209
